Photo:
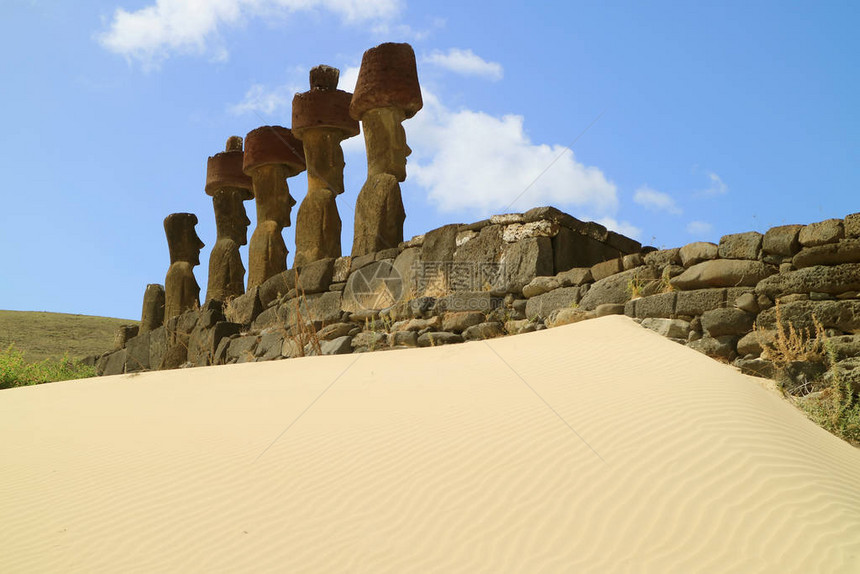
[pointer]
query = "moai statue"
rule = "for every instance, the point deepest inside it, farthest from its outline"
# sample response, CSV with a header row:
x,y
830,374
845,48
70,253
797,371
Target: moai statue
x,y
387,92
181,291
321,120
272,154
152,316
229,187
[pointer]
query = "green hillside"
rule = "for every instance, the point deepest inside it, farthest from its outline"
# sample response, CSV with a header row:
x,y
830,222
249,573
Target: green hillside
x,y
40,335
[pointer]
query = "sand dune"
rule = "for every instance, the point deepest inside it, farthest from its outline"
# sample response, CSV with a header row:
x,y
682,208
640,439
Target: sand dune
x,y
595,447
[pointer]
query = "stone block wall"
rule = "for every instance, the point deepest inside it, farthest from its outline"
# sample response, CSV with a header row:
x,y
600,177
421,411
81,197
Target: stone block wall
x,y
517,273
451,284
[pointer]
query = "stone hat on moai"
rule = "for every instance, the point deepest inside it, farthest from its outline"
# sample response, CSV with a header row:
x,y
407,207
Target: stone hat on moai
x,y
225,170
388,78
324,106
269,145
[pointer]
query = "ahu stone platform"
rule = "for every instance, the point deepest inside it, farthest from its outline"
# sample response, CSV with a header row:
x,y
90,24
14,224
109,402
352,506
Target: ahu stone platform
x,y
522,272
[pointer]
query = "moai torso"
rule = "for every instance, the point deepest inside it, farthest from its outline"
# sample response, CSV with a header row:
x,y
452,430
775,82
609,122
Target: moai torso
x,y
229,188
387,92
152,315
272,154
181,291
321,120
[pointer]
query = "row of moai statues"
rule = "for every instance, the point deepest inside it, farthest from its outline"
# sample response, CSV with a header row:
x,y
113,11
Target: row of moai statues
x,y
387,92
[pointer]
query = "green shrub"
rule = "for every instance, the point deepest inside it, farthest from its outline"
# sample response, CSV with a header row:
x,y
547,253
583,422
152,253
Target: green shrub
x,y
16,372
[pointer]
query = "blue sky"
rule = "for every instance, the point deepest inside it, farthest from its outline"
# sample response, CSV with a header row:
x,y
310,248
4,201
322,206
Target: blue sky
x,y
698,120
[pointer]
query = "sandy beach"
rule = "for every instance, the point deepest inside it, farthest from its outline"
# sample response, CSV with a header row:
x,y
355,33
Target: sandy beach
x,y
594,447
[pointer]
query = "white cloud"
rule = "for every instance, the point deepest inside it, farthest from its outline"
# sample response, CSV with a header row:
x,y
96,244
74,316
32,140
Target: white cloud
x,y
718,187
466,63
699,228
655,200
153,33
472,160
260,100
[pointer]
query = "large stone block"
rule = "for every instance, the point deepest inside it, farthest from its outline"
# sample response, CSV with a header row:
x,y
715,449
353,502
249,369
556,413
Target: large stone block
x,y
740,245
697,252
671,328
841,315
440,244
157,347
244,308
241,349
543,305
408,266
821,233
476,262
315,277
138,349
525,260
606,268
115,363
782,240
846,251
541,285
819,279
375,286
622,243
693,303
727,321
661,305
269,347
661,258
614,289
722,273
318,309
276,286
722,347
573,249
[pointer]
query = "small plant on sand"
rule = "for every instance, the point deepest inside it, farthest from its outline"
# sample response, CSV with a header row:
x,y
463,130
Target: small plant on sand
x,y
16,372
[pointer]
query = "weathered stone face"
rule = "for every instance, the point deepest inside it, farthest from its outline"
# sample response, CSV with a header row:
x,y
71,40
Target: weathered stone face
x,y
385,140
181,290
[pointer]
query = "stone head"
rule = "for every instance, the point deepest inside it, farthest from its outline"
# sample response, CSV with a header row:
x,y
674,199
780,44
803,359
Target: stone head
x,y
231,220
385,140
182,239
